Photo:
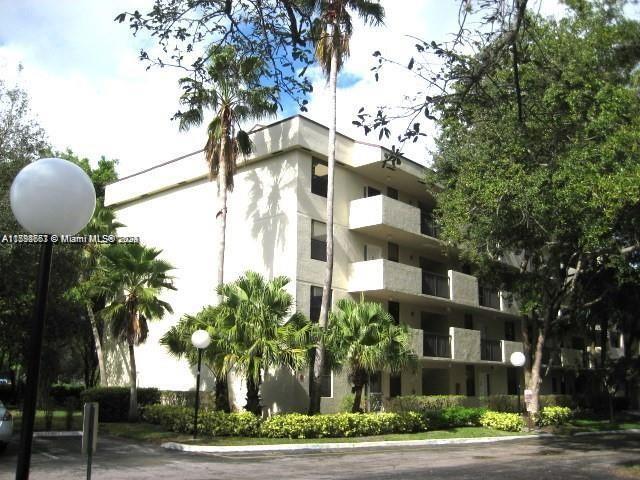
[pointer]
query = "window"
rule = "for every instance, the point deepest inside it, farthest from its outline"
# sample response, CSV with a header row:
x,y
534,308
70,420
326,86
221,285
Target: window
x,y
394,311
371,192
488,384
318,240
395,385
319,177
326,382
315,303
393,252
471,380
614,339
392,193
509,331
375,383
468,321
512,381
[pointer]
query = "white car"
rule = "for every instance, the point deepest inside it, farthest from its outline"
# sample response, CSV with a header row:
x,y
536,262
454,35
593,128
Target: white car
x,y
6,426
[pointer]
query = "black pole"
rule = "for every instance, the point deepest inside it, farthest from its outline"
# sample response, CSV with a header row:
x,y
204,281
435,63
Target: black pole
x,y
33,367
519,405
195,420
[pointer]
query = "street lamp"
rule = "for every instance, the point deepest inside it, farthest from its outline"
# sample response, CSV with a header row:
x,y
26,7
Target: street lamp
x,y
48,197
517,360
201,340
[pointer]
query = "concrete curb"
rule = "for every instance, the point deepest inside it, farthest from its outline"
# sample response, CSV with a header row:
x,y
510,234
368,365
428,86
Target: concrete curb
x,y
70,433
607,432
285,447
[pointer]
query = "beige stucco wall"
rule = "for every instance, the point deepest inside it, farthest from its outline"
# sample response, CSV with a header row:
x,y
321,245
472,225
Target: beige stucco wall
x,y
465,344
463,288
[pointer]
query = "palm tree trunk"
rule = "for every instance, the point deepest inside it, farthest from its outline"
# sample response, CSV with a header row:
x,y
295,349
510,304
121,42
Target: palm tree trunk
x,y
98,345
222,393
133,390
253,396
221,216
318,366
359,379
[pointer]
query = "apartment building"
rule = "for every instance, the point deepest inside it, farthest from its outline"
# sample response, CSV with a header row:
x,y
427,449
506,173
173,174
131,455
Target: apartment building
x,y
386,248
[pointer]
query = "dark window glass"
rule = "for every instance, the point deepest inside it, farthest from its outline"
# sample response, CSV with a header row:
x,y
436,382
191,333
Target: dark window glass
x,y
509,331
371,192
468,321
375,385
577,343
471,380
554,385
488,384
395,385
392,193
393,252
512,381
614,339
319,177
315,303
318,240
394,311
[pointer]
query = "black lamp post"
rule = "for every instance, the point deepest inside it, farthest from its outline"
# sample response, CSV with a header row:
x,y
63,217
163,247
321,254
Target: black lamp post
x,y
49,197
517,360
201,340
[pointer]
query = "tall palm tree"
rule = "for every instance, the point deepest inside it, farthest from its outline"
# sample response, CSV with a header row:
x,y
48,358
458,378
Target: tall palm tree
x,y
132,278
234,94
87,292
363,337
331,34
178,341
255,316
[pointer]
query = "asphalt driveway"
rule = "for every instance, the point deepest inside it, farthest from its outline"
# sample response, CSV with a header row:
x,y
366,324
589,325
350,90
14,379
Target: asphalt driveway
x,y
593,457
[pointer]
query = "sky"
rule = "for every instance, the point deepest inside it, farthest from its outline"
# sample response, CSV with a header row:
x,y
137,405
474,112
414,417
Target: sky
x,y
90,92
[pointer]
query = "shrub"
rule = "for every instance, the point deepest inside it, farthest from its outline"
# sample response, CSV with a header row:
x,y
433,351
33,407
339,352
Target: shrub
x,y
421,403
509,422
553,416
178,398
295,425
210,422
114,401
64,394
556,401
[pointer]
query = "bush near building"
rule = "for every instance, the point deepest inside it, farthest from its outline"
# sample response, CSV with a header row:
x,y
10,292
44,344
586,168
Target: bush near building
x,y
497,403
114,401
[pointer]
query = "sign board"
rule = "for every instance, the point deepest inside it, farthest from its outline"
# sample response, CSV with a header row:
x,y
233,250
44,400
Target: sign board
x,y
90,428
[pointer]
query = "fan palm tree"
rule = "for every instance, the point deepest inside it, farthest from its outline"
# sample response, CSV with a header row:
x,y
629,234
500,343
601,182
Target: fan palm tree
x,y
87,292
178,341
255,316
331,34
234,94
363,337
131,276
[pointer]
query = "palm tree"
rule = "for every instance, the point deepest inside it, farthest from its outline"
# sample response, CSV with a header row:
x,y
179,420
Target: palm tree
x,y
331,33
132,277
87,292
178,341
235,96
363,337
260,331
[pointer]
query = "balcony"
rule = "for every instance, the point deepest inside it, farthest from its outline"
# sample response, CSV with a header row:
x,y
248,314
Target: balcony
x,y
434,345
383,217
462,345
488,297
490,350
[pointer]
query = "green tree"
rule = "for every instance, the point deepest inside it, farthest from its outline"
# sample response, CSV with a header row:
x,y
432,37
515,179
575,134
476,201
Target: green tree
x,y
331,34
256,322
132,277
234,94
364,338
546,168
178,341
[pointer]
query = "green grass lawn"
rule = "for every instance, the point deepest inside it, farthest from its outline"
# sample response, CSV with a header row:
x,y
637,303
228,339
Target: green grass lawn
x,y
597,425
59,421
155,434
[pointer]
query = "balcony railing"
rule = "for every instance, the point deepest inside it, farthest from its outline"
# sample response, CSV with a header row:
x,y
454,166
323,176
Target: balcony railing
x,y
488,298
427,225
318,250
435,345
490,350
435,285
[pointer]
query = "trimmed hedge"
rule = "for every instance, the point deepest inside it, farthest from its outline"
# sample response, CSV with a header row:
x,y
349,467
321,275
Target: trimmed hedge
x,y
179,398
114,401
64,394
509,422
553,416
296,425
454,417
498,403
292,425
